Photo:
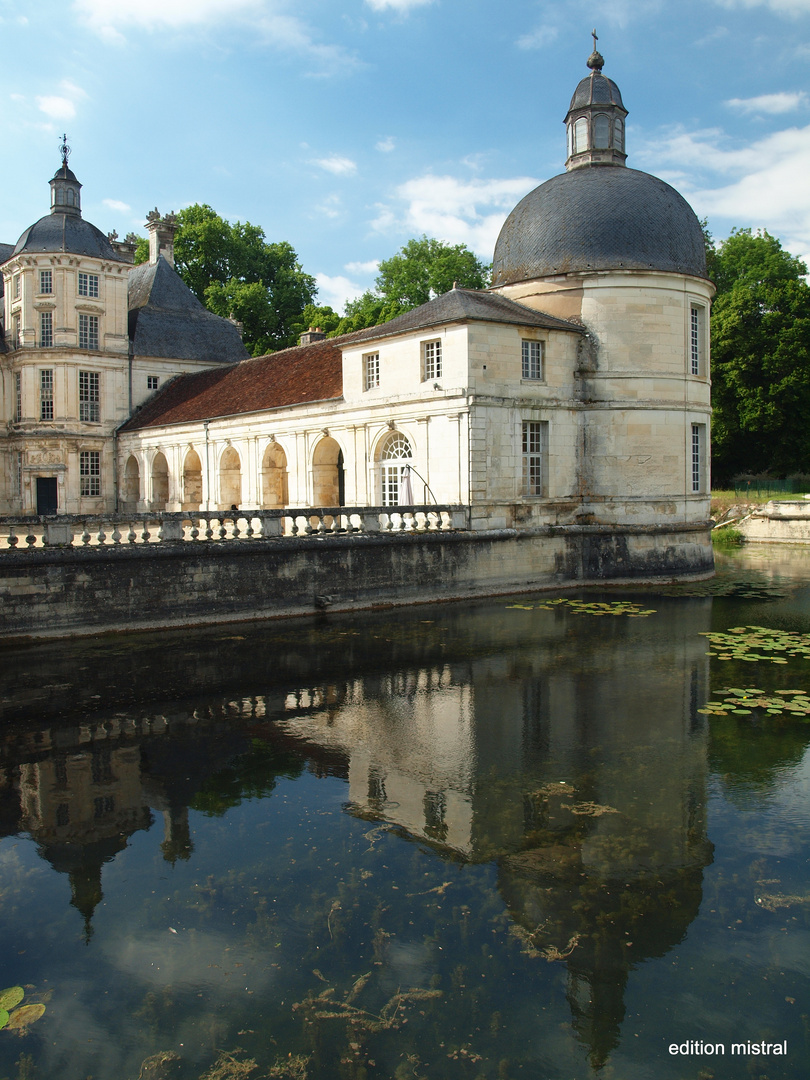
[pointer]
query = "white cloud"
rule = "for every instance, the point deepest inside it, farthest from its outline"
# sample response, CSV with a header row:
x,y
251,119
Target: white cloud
x,y
58,108
538,38
386,145
265,20
396,5
762,184
331,207
793,8
336,290
370,267
116,204
340,166
456,211
770,103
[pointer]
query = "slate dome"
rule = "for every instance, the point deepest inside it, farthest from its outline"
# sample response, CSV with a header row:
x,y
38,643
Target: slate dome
x,y
63,232
602,217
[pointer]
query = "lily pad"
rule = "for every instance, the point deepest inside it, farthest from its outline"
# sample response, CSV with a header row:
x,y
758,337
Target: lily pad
x,y
3,1018
24,1016
11,997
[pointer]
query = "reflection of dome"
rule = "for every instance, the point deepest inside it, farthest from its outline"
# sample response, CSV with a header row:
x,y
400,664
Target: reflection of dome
x,y
600,217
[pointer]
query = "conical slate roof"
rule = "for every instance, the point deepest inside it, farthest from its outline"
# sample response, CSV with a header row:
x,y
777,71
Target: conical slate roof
x,y
167,320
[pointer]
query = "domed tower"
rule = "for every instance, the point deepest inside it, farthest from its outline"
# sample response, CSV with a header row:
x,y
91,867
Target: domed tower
x,y
622,253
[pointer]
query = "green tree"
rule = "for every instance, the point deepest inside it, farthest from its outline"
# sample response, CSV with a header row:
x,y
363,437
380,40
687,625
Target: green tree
x,y
760,358
419,271
234,270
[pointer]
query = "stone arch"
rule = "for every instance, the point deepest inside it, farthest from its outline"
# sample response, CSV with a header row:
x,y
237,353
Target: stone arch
x,y
160,481
230,479
275,479
328,476
192,481
394,453
132,484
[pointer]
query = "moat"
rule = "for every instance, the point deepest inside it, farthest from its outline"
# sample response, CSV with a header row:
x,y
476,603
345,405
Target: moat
x,y
552,836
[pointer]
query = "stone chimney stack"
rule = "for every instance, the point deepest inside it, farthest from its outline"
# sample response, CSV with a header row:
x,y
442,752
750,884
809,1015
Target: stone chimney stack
x,y
309,337
161,235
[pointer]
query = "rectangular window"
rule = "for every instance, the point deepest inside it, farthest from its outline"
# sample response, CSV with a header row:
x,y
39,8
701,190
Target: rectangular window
x,y
152,382
46,329
698,456
431,360
46,281
90,473
532,359
535,436
89,398
371,369
88,284
15,332
697,332
17,396
16,290
88,331
46,394
18,474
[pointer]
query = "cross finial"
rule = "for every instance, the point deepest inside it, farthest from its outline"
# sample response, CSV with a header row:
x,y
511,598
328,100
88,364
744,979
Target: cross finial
x,y
595,39
65,150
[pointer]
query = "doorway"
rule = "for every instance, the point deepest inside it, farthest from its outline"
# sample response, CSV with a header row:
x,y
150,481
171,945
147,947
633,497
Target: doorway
x,y
46,496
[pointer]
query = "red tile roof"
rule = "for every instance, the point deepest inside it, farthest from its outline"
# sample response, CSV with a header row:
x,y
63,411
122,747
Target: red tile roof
x,y
289,377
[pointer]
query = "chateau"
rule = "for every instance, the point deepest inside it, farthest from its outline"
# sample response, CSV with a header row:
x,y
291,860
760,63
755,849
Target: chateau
x,y
573,394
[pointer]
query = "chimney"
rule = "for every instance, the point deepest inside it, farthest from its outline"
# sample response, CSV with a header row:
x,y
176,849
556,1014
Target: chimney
x,y
309,337
161,235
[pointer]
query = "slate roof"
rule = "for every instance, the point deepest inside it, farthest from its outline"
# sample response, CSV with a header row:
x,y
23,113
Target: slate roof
x,y
290,377
600,217
596,89
6,251
167,320
69,233
462,305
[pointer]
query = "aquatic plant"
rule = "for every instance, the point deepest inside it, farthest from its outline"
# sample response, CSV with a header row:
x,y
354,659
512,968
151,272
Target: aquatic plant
x,y
584,607
738,701
753,643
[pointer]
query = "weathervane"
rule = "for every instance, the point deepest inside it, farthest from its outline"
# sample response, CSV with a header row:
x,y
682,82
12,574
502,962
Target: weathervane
x,y
65,150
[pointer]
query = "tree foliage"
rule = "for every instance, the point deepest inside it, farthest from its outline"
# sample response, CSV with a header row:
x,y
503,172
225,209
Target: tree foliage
x,y
420,270
760,358
234,270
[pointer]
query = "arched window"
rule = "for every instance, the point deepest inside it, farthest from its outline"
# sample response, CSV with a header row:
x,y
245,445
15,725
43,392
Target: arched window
x,y
570,139
618,134
581,135
601,131
395,455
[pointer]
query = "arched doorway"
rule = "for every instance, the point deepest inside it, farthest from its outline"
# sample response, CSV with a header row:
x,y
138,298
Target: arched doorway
x,y
395,455
275,490
132,484
328,476
230,479
192,481
160,482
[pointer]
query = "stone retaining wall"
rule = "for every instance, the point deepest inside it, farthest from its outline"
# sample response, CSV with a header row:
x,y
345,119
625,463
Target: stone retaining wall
x,y
56,592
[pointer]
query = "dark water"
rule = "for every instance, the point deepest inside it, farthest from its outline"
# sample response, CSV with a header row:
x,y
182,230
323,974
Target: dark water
x,y
462,841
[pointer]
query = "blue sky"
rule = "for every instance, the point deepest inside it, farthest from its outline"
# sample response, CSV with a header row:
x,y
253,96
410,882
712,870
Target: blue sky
x,y
348,127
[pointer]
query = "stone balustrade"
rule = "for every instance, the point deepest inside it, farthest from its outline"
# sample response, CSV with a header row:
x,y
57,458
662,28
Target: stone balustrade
x,y
73,530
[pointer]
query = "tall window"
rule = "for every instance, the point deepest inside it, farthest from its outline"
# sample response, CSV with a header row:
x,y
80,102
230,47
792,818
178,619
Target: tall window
x,y
581,135
535,436
17,288
15,331
618,134
89,397
88,331
46,329
698,456
90,473
431,360
18,473
46,281
46,394
17,396
88,284
532,359
371,370
601,131
396,454
697,331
